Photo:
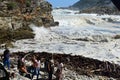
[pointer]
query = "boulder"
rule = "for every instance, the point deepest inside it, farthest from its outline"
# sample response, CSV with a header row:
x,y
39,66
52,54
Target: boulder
x,y
16,19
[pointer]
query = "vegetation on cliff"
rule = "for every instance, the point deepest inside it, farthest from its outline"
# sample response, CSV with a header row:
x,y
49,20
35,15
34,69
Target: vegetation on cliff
x,y
96,6
11,35
17,15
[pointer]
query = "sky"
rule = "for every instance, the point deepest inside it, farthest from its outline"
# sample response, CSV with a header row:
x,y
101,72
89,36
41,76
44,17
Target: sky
x,y
62,3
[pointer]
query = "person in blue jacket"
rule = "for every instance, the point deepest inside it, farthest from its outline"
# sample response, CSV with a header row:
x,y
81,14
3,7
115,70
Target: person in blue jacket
x,y
6,59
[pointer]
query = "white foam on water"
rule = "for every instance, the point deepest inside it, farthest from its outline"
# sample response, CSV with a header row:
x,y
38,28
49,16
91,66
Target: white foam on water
x,y
66,38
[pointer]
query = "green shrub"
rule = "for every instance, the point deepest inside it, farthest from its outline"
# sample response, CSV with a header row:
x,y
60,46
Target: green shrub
x,y
28,3
11,5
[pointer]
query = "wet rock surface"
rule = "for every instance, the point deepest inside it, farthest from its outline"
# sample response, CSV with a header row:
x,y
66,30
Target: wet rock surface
x,y
16,16
81,65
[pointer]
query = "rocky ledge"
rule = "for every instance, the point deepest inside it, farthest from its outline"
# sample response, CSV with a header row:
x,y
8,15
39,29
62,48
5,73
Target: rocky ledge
x,y
101,10
78,64
96,6
17,15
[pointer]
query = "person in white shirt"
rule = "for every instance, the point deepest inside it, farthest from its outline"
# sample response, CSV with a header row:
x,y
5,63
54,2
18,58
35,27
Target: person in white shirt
x,y
59,72
36,67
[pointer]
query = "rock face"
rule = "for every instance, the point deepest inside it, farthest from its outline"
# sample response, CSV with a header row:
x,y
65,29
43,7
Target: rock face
x,y
17,15
79,64
96,6
84,4
38,13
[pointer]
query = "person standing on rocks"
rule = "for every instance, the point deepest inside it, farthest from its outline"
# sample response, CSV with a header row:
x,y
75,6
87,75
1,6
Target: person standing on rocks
x,y
22,67
6,59
46,65
50,69
20,61
35,67
59,72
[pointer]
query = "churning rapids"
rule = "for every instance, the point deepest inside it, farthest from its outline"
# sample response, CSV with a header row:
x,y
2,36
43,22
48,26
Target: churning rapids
x,y
89,35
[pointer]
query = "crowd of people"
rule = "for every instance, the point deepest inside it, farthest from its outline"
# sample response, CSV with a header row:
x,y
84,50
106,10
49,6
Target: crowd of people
x,y
34,69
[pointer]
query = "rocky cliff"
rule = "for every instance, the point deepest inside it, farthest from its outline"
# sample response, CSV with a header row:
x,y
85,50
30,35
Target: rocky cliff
x,y
84,4
17,15
95,6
